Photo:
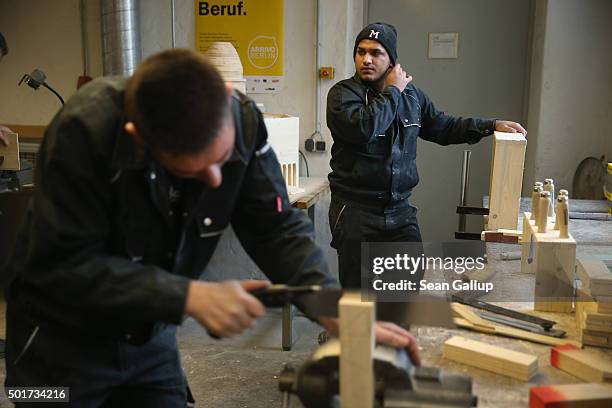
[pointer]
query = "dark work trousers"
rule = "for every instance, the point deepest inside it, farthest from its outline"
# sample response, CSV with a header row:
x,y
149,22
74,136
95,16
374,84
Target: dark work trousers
x,y
99,373
351,225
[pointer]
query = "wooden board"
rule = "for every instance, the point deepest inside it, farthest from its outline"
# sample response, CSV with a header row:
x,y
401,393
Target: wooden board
x,y
595,276
506,180
506,331
313,187
356,351
515,364
587,395
10,153
581,363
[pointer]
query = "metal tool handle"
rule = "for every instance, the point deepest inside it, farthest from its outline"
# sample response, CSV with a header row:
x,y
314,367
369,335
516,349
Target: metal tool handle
x,y
465,174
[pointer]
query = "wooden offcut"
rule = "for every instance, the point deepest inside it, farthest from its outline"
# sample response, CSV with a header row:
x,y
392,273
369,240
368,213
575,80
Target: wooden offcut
x,y
515,364
356,351
10,153
583,364
587,395
552,259
506,180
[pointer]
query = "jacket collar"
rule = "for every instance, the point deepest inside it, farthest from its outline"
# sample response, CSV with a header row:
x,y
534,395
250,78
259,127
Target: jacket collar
x,y
127,154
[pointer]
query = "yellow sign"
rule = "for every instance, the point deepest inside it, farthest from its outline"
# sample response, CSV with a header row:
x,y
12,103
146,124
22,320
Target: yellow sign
x,y
255,28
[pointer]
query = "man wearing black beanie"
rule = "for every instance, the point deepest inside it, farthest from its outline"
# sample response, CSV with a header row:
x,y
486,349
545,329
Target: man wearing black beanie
x,y
375,118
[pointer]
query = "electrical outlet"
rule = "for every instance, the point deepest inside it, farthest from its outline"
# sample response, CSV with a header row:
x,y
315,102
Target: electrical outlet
x,y
309,145
320,146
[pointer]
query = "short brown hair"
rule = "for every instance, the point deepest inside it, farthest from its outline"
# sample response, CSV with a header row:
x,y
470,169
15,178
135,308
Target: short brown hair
x,y
177,101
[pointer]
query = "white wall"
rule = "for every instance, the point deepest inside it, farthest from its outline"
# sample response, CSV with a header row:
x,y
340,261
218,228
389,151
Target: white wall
x,y
340,23
571,99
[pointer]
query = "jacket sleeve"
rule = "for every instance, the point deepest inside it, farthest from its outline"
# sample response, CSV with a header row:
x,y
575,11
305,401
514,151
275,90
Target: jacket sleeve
x,y
71,231
353,121
444,129
278,237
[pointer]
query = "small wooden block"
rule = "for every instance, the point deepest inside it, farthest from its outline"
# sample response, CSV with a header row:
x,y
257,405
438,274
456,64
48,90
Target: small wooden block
x,y
515,364
10,153
581,363
587,395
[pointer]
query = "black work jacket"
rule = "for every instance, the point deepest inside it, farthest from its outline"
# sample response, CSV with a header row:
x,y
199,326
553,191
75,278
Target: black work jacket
x,y
98,252
375,140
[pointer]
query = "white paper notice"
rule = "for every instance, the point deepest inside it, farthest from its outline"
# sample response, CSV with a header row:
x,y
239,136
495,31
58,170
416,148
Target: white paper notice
x,y
443,45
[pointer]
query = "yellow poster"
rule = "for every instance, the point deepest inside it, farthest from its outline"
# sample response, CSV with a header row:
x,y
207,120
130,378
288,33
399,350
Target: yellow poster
x,y
255,28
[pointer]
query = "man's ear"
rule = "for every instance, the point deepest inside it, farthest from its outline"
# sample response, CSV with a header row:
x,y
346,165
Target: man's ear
x,y
130,129
229,89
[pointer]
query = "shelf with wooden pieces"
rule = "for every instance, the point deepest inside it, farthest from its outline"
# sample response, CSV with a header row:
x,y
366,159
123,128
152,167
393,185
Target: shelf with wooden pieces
x,y
586,395
500,360
506,180
583,364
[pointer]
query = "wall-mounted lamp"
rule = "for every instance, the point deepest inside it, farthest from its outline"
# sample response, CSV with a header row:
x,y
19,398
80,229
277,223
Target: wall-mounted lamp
x,y
37,78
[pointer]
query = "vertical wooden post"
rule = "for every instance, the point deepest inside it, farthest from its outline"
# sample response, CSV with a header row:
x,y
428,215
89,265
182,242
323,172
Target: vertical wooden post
x,y
356,351
549,186
542,220
506,180
535,200
563,217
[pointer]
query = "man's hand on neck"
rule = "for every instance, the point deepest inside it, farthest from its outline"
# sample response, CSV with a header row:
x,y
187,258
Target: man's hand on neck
x,y
396,77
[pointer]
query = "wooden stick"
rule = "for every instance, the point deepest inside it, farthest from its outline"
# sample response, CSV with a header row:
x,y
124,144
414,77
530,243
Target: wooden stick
x,y
535,200
564,218
356,351
544,203
549,186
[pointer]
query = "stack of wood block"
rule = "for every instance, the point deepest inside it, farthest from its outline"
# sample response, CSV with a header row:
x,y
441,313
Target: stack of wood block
x,y
515,364
594,302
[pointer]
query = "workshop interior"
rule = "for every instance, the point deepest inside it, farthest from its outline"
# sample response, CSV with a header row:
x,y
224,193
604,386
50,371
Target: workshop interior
x,y
522,197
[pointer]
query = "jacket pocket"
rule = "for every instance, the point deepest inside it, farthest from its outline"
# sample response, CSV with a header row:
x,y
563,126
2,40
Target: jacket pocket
x,y
26,346
412,115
